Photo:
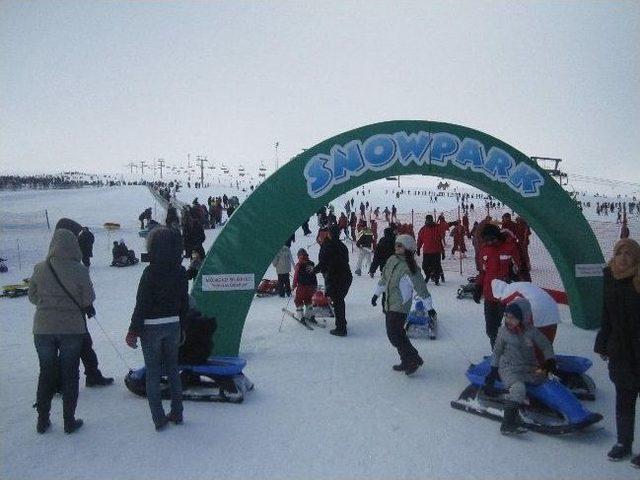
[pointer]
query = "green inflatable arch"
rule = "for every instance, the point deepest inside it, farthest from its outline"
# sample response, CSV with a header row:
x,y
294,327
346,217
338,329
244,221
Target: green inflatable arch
x,y
244,249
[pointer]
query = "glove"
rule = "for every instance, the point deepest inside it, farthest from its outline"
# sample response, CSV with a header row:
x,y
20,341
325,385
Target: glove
x,y
418,252
374,300
490,381
549,366
442,255
432,313
90,311
132,339
477,293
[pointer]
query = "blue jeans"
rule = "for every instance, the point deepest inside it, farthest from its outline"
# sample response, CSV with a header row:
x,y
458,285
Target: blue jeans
x,y
58,355
160,351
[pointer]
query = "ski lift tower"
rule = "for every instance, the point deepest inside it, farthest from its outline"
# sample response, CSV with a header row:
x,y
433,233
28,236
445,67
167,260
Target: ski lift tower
x,y
551,166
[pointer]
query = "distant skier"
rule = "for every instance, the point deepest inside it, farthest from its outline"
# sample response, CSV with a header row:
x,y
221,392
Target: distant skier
x,y
146,215
384,249
283,262
85,240
333,262
364,243
305,285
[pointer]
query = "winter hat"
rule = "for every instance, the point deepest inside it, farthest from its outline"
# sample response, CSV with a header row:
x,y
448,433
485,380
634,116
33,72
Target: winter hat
x,y
490,232
407,241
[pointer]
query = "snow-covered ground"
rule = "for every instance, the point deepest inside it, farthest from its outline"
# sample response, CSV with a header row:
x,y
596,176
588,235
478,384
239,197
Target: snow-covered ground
x,y
323,407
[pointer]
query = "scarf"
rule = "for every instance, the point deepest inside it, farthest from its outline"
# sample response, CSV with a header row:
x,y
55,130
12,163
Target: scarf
x,y
634,269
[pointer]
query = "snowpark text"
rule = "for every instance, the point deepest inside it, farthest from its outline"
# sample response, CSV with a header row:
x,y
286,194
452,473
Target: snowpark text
x,y
380,152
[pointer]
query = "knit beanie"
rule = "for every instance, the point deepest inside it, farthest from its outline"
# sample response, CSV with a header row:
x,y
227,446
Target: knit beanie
x,y
407,241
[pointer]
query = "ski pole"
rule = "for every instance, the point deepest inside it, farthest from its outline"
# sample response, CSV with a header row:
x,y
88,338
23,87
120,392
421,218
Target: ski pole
x,y
283,314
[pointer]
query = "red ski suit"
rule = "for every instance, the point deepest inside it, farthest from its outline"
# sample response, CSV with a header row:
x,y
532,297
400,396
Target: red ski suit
x,y
429,239
496,262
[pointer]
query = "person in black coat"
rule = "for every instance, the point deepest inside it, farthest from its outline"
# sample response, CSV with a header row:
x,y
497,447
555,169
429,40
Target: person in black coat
x,y
94,377
384,249
162,302
172,217
618,340
85,240
333,263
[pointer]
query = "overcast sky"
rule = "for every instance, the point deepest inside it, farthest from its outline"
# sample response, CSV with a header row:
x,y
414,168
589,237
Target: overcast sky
x,y
95,85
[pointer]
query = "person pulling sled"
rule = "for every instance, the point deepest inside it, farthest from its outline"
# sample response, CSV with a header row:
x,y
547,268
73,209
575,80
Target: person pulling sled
x,y
400,277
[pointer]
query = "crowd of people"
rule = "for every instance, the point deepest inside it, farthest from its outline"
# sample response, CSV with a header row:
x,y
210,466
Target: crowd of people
x,y
64,180
520,318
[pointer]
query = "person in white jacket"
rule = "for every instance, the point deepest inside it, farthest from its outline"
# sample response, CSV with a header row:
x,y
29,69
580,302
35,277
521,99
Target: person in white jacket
x,y
283,262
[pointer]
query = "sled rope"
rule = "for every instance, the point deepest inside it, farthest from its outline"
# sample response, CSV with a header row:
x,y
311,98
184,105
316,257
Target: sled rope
x,y
455,343
112,344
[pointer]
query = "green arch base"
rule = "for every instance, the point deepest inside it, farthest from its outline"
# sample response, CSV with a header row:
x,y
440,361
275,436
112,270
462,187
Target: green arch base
x,y
226,284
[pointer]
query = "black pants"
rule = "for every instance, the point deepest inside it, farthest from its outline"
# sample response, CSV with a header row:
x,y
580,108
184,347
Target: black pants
x,y
625,414
337,295
431,267
398,337
493,312
284,287
89,357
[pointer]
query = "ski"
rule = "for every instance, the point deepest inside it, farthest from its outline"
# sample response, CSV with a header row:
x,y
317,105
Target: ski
x,y
314,322
299,320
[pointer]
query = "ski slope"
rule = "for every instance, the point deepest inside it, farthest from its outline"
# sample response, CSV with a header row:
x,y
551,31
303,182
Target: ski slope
x,y
322,408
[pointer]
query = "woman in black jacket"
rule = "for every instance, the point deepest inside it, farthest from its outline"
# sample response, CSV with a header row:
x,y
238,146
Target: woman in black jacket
x,y
618,341
162,301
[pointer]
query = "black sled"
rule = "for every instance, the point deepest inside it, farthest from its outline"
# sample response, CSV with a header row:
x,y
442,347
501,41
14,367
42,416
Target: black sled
x,y
466,291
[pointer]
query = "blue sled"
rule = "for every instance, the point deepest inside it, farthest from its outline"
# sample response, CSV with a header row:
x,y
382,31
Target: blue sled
x,y
420,324
219,380
552,408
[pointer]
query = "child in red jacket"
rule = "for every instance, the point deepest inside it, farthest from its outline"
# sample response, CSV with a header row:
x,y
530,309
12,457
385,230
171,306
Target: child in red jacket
x,y
305,284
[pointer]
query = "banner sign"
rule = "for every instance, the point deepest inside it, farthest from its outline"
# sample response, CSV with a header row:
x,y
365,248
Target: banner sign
x,y
379,152
589,269
228,282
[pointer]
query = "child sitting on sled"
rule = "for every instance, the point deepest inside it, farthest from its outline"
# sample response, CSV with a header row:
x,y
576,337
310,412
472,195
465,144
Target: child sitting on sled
x,y
305,284
514,359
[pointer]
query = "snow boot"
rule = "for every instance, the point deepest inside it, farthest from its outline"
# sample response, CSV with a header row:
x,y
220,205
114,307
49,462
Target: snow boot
x,y
97,380
72,425
411,367
175,418
43,423
338,332
162,424
511,421
620,451
358,272
635,461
